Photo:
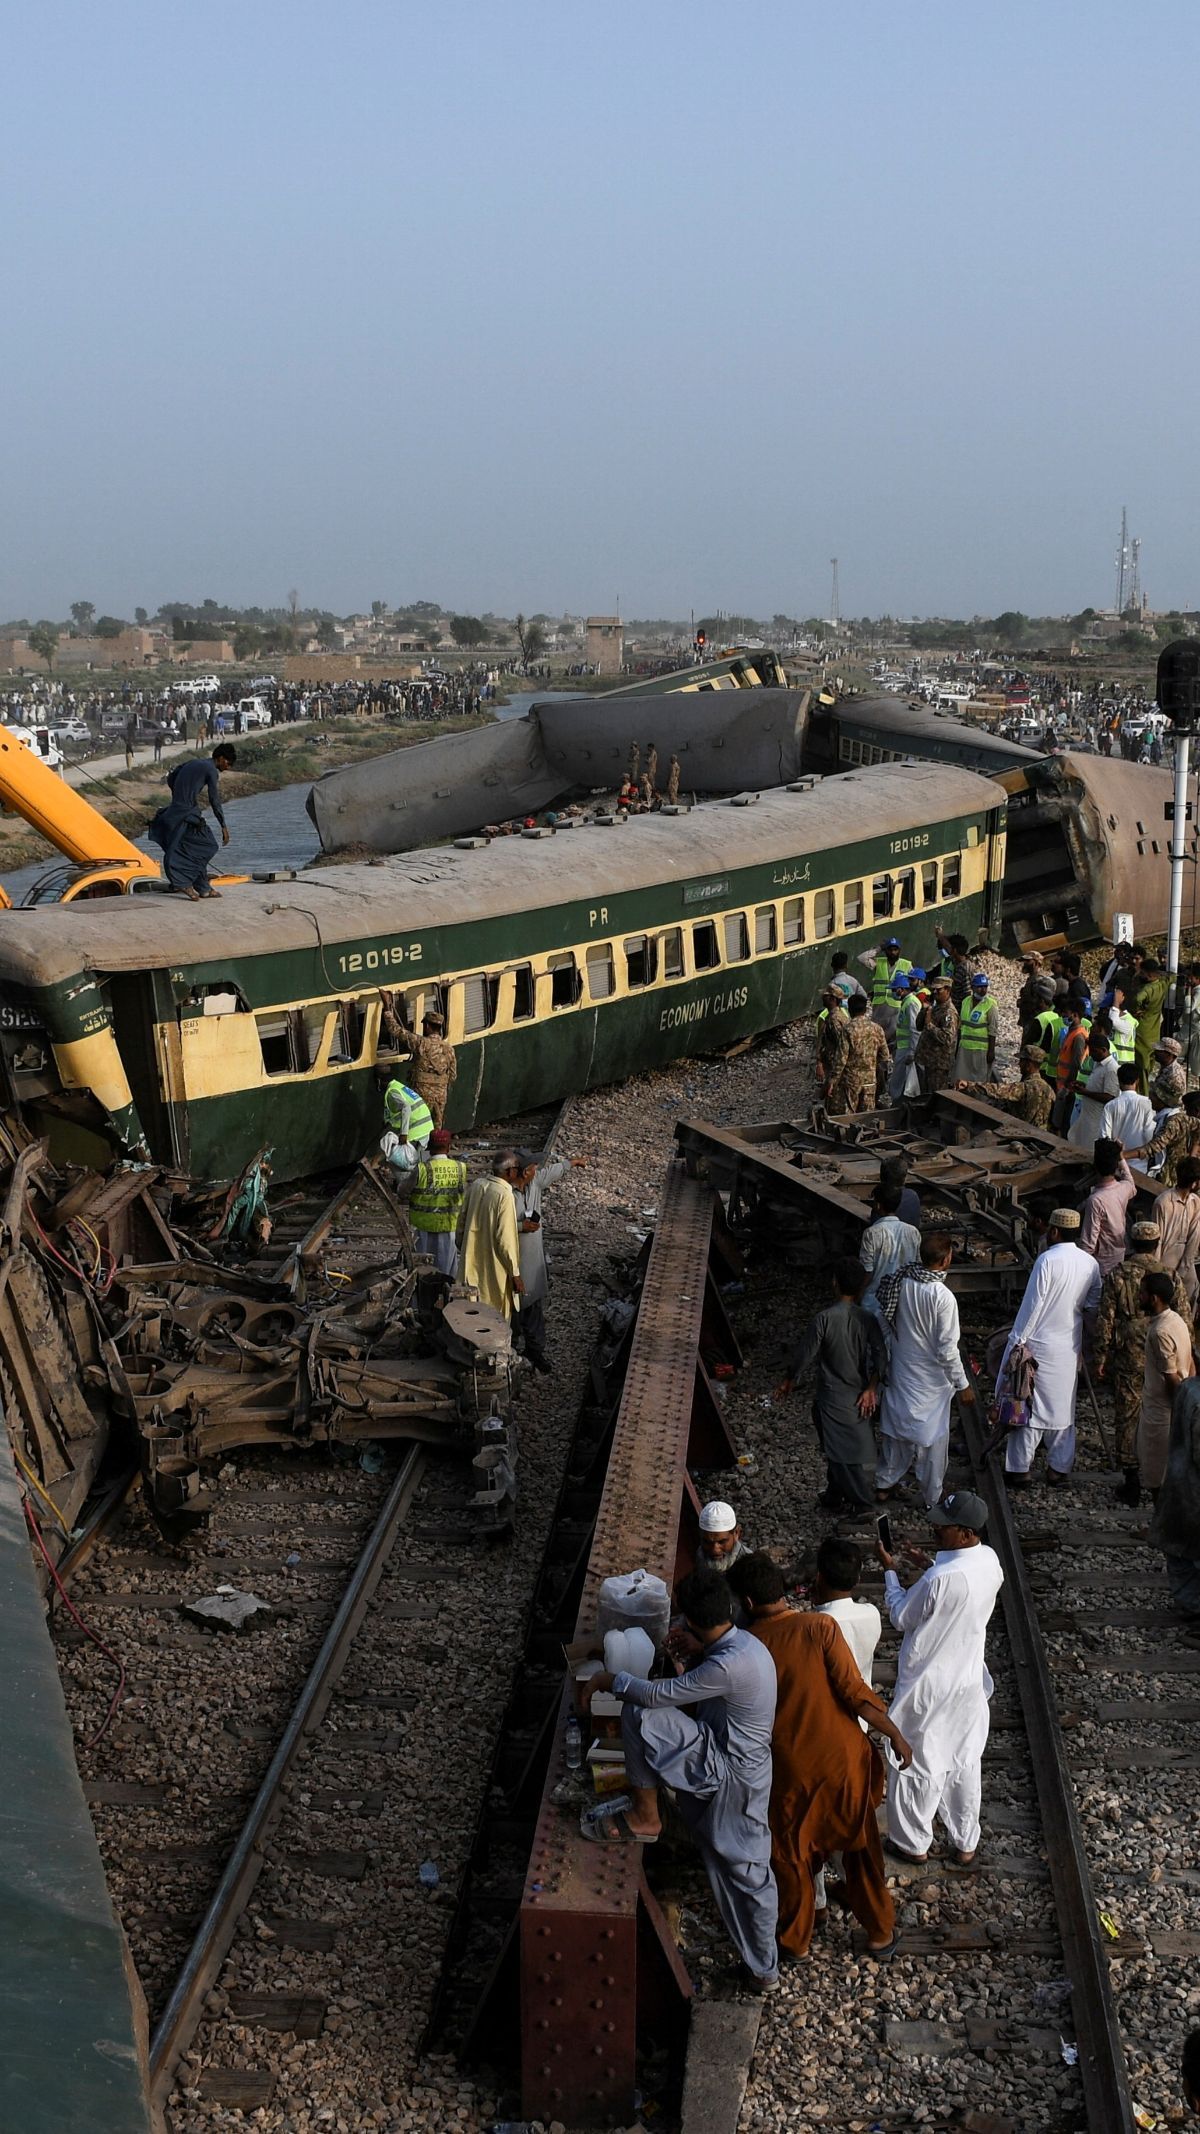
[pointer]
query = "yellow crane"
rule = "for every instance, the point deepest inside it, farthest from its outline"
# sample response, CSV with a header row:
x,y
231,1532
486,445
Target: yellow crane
x,y
104,862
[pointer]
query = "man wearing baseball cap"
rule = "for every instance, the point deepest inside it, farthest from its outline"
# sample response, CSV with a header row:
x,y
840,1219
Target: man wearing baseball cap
x,y
942,1682
884,964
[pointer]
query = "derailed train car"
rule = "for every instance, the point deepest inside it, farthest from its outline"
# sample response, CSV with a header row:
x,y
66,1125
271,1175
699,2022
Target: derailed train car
x,y
1090,834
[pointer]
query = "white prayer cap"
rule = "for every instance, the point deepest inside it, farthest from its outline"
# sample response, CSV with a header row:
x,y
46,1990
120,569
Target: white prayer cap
x,y
1065,1219
718,1518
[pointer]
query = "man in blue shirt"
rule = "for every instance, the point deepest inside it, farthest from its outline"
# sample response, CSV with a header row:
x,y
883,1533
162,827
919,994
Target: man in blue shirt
x,y
188,844
716,1759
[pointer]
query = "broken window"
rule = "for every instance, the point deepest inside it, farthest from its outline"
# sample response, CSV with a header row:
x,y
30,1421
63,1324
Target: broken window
x,y
705,954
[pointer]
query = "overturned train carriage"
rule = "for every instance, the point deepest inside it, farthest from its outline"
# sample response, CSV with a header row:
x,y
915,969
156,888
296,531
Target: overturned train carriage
x,y
195,1034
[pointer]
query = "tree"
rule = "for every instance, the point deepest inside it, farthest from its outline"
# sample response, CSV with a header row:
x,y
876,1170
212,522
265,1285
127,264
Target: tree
x,y
532,640
141,617
82,612
43,640
110,626
246,641
467,630
378,609
1010,627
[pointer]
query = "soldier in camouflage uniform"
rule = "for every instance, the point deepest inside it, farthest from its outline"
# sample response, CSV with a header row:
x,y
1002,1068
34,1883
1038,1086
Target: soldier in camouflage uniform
x,y
866,1065
1177,1137
938,1039
433,1064
832,1028
1120,1344
1031,1099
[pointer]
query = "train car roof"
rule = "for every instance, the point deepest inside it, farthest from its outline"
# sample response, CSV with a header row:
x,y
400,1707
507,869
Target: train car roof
x,y
924,720
447,885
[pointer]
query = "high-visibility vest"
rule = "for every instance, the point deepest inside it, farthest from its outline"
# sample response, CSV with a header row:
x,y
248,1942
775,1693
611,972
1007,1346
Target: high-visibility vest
x,y
1050,1029
1072,1051
974,1024
881,986
398,1098
437,1195
1122,1035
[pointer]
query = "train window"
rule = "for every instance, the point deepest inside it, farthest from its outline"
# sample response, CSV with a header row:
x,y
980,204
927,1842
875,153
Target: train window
x,y
952,875
793,921
601,976
349,1033
737,937
315,1017
641,960
705,954
566,985
972,836
908,890
764,929
283,1039
823,914
479,1002
852,904
929,881
672,952
523,993
881,896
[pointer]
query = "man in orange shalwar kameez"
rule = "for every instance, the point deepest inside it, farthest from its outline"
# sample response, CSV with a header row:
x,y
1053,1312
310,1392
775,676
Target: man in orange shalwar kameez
x,y
828,1777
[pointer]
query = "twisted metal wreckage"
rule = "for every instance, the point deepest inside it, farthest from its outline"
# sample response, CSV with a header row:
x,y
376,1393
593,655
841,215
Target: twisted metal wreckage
x,y
126,1330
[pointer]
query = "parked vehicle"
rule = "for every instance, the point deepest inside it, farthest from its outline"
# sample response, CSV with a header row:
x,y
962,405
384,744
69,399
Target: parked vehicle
x,y
253,712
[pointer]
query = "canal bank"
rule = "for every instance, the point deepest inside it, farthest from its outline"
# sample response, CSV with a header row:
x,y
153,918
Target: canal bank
x,y
278,766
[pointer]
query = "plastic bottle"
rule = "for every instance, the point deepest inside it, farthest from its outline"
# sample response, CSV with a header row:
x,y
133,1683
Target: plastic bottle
x,y
573,1744
429,1874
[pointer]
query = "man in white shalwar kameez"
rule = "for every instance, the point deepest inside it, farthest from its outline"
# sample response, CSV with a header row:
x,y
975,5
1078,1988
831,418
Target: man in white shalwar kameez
x,y
942,1682
924,1372
1062,1291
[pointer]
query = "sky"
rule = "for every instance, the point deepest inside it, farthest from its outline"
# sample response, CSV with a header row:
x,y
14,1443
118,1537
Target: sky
x,y
570,307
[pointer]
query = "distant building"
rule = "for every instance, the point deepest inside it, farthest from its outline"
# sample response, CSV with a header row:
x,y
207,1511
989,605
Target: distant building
x,y
205,652
604,643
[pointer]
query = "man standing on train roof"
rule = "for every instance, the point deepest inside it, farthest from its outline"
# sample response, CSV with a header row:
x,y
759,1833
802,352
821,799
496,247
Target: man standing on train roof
x,y
977,1020
437,1190
942,1682
188,845
673,777
432,1063
488,1239
885,963
1062,1293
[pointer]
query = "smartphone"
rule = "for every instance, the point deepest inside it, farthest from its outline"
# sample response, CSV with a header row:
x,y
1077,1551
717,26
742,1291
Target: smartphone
x,y
883,1527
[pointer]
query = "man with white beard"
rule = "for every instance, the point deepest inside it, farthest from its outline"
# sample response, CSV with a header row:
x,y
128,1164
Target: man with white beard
x,y
925,1371
1062,1291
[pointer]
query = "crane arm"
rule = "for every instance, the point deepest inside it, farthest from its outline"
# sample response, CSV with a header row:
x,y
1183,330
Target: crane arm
x,y
62,815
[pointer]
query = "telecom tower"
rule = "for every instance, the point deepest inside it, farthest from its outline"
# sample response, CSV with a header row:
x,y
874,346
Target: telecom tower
x,y
835,614
1135,595
1122,562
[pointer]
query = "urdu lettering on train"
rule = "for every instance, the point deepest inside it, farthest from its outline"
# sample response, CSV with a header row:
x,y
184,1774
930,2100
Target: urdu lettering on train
x,y
791,875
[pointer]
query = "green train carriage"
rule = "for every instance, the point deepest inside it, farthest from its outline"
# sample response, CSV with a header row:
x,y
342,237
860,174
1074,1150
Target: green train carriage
x,y
195,1034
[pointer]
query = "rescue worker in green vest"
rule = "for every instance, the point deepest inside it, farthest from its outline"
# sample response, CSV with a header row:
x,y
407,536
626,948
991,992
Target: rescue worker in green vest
x,y
408,1124
1044,1028
435,1202
977,1020
885,963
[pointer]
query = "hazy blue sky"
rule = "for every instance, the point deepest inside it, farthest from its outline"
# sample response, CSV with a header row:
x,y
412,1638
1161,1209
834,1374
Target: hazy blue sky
x,y
540,305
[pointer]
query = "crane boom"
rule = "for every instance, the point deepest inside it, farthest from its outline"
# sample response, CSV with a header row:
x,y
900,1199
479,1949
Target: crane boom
x,y
62,815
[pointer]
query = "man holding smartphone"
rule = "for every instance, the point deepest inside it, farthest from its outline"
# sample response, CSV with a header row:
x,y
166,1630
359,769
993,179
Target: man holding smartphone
x,y
942,1681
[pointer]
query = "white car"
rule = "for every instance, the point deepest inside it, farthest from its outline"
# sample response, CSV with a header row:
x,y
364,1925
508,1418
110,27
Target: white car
x,y
253,712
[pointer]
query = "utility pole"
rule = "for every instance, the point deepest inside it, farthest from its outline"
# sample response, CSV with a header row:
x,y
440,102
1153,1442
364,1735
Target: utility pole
x,y
1122,560
1178,694
1135,596
834,611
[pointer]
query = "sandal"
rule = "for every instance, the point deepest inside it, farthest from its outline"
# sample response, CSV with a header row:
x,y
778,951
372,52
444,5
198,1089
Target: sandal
x,y
614,1829
884,1955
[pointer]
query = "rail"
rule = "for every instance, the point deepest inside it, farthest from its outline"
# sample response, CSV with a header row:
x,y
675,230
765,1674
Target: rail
x,y
1102,2065
595,1949
177,2024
